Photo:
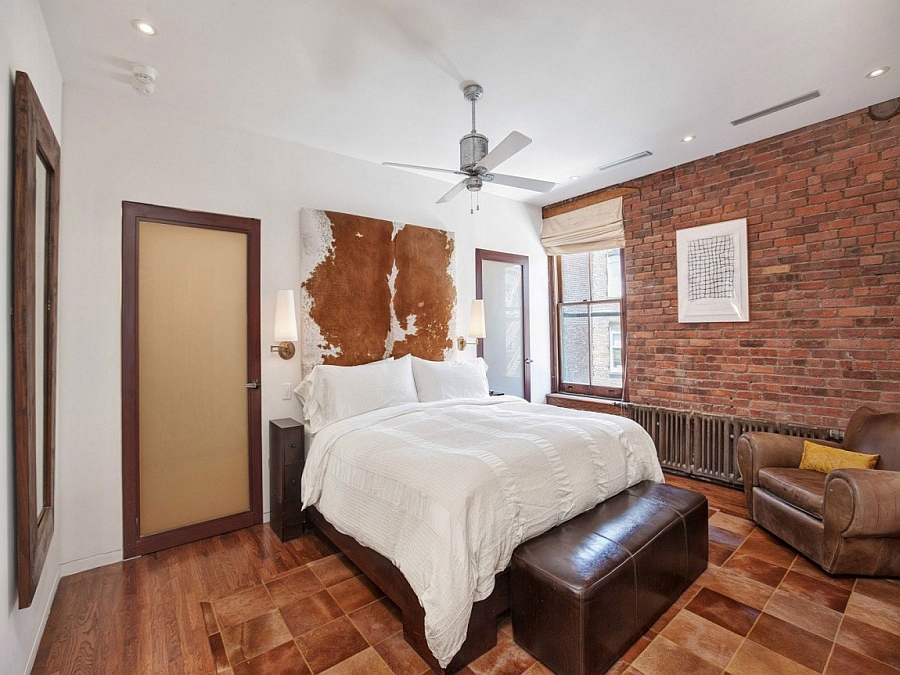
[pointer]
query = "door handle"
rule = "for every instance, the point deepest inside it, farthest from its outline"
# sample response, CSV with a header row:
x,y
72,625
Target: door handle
x,y
529,361
252,385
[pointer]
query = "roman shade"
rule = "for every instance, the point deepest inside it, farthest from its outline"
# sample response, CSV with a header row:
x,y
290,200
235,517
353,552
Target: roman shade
x,y
593,228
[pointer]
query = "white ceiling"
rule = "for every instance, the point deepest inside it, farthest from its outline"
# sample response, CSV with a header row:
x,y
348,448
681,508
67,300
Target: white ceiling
x,y
590,81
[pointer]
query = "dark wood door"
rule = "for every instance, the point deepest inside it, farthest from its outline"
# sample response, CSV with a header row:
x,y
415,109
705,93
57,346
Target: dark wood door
x,y
191,397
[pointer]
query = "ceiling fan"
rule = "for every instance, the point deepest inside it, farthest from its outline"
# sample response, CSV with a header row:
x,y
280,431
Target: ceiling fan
x,y
477,164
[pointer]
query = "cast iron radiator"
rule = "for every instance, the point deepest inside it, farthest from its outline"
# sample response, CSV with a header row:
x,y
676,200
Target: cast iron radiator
x,y
704,445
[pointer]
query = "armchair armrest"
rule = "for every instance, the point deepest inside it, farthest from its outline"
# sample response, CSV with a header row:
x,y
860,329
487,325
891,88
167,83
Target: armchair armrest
x,y
758,450
862,503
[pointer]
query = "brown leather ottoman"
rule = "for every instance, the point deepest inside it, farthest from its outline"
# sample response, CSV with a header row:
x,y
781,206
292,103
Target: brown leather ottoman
x,y
583,592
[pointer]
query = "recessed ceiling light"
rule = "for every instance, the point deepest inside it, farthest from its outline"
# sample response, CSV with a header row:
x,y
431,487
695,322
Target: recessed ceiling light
x,y
688,139
574,177
144,27
877,72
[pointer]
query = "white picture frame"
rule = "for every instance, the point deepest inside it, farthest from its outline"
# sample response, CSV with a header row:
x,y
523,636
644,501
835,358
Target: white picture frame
x,y
712,273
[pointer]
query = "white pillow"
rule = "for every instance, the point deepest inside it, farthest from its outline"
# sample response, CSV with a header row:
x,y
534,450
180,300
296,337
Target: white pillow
x,y
333,393
441,380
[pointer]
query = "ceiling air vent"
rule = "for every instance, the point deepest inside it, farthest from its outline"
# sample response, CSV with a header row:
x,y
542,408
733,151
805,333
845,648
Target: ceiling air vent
x,y
776,108
645,153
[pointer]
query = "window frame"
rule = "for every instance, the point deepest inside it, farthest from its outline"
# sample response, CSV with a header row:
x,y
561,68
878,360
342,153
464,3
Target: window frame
x,y
557,385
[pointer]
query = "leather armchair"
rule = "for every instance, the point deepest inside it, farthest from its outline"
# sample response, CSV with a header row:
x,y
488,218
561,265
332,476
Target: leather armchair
x,y
847,521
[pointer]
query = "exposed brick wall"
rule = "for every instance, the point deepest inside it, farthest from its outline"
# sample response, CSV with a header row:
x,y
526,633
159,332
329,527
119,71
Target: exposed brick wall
x,y
823,224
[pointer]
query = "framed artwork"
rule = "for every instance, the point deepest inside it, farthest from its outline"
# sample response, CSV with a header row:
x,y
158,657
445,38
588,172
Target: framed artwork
x,y
712,273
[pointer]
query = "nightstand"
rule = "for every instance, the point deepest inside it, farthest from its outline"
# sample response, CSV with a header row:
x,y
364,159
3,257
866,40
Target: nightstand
x,y
287,455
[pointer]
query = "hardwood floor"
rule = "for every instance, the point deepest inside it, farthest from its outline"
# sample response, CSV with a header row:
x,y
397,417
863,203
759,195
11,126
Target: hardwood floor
x,y
721,498
144,615
246,603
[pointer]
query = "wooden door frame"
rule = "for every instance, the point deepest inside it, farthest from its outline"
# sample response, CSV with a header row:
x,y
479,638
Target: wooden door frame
x,y
498,256
132,214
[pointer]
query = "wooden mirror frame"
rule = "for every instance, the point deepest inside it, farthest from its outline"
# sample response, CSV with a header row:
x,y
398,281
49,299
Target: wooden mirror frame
x,y
34,526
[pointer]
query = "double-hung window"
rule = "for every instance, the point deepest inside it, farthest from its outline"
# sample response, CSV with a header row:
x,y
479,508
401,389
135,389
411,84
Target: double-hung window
x,y
585,238
589,320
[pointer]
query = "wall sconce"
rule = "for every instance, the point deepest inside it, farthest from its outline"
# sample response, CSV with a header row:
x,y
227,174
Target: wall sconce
x,y
285,325
476,325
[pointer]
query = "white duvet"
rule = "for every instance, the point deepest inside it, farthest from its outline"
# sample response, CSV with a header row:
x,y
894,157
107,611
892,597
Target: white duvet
x,y
446,490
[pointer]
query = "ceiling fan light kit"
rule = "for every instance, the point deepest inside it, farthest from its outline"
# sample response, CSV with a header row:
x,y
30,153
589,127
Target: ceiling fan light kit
x,y
476,160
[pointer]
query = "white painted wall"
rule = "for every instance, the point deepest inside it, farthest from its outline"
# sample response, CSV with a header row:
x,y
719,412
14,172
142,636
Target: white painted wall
x,y
128,148
24,45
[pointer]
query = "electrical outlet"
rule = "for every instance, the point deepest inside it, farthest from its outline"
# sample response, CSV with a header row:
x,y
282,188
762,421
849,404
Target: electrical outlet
x,y
286,391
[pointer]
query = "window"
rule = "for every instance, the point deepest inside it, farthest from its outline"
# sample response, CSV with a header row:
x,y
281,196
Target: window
x,y
588,326
615,348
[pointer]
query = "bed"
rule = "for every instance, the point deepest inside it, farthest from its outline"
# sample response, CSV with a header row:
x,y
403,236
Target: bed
x,y
430,497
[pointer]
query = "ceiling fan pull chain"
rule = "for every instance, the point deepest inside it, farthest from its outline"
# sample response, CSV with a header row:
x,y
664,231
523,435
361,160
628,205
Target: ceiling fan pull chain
x,y
477,206
471,212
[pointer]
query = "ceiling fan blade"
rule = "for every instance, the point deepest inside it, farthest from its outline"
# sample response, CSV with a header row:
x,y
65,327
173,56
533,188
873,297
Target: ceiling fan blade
x,y
455,190
423,168
519,182
504,150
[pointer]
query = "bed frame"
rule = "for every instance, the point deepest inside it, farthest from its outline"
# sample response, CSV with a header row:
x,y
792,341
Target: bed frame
x,y
482,633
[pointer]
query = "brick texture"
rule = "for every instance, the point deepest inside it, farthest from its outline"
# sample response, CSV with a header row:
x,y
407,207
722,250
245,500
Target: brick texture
x,y
823,223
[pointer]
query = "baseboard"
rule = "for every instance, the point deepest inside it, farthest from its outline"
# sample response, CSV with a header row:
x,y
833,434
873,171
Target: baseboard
x,y
46,615
89,563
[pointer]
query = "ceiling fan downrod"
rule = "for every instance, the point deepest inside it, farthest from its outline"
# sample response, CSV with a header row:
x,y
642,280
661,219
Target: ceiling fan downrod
x,y
473,92
473,146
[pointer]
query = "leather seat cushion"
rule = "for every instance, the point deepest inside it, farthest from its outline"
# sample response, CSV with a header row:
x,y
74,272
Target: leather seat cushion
x,y
802,488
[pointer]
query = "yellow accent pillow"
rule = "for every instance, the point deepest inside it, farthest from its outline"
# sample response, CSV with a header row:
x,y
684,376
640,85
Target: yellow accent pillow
x,y
824,458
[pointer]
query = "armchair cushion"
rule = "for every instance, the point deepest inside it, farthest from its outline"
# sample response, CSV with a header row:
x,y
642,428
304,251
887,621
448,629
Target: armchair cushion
x,y
826,459
800,488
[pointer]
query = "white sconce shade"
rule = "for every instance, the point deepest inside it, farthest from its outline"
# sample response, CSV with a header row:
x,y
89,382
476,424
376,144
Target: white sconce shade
x,y
476,320
285,317
476,325
285,332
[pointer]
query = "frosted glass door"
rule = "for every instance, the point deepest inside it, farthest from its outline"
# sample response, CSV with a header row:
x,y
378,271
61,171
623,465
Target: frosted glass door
x,y
505,346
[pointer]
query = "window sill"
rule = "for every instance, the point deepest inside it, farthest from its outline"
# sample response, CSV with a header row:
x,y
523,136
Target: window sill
x,y
589,403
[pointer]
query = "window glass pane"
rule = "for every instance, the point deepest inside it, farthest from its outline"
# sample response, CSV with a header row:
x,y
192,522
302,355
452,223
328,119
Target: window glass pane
x,y
574,347
606,345
606,275
615,348
576,280
614,273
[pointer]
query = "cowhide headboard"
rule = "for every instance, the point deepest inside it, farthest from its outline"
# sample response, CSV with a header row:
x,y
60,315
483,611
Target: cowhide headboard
x,y
372,289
